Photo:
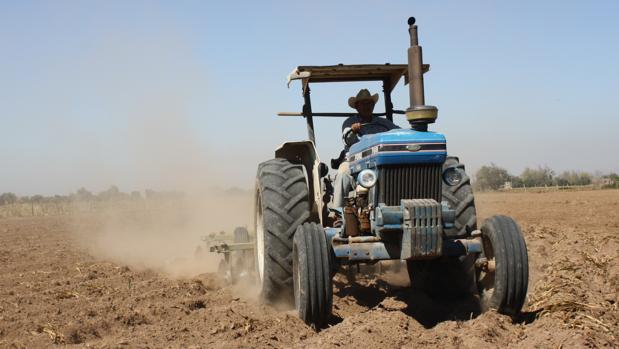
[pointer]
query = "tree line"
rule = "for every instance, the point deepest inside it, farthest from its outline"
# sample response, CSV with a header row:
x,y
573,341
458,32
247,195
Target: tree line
x,y
493,177
84,195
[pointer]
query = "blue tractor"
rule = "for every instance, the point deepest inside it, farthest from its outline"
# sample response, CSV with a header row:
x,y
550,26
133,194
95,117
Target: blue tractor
x,y
411,201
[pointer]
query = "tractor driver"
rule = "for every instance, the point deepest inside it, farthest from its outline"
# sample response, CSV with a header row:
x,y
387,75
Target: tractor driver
x,y
358,125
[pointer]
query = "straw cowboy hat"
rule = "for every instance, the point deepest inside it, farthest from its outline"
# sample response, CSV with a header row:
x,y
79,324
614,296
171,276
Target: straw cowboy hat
x,y
363,94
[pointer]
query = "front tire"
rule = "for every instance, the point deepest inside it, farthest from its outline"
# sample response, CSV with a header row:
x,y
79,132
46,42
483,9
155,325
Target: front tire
x,y
313,290
281,205
504,277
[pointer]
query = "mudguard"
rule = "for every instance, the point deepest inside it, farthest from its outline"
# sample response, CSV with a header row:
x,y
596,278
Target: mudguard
x,y
304,152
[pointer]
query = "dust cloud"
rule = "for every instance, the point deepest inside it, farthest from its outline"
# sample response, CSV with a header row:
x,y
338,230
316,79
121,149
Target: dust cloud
x,y
164,234
151,95
163,230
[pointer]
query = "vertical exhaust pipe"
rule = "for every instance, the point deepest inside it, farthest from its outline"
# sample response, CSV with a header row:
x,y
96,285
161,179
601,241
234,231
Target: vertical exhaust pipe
x,y
419,115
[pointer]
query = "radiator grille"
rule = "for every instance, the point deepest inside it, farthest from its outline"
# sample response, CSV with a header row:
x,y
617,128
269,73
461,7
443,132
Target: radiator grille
x,y
418,181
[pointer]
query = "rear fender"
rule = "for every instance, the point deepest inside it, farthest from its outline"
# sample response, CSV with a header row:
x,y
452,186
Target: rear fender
x,y
304,152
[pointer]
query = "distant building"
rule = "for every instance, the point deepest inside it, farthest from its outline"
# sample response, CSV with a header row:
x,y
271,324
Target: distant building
x,y
606,181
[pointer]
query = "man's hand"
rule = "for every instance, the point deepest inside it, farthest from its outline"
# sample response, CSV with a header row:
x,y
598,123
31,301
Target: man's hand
x,y
356,127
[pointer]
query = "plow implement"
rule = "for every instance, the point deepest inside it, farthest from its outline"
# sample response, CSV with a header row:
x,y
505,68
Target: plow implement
x,y
237,251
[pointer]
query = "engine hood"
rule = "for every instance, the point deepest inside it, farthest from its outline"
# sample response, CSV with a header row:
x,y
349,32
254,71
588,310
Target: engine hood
x,y
399,146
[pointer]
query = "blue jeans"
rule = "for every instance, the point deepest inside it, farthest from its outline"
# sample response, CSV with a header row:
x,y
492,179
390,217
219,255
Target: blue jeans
x,y
342,185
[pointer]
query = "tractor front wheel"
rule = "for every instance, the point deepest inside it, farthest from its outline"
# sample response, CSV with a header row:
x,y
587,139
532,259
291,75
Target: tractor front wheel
x,y
313,291
503,267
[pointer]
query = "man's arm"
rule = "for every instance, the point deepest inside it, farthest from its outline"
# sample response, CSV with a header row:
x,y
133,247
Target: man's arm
x,y
349,135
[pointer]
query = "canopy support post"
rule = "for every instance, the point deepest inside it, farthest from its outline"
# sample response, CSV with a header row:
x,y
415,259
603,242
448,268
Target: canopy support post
x,y
388,104
307,114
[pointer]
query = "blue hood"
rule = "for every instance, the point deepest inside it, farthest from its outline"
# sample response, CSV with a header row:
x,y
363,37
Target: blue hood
x,y
399,146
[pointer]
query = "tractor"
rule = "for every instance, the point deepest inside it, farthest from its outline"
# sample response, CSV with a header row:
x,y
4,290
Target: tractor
x,y
411,201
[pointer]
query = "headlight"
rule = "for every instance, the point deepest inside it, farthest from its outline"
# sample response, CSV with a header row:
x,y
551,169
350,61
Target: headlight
x,y
452,176
367,178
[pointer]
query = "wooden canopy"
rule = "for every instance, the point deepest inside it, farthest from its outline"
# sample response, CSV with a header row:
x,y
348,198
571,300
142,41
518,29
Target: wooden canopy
x,y
390,74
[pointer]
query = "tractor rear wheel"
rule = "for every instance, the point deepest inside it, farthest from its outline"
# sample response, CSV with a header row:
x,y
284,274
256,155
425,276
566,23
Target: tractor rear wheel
x,y
313,290
503,277
460,198
281,205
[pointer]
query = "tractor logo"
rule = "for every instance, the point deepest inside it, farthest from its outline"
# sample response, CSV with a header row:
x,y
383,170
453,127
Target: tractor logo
x,y
413,147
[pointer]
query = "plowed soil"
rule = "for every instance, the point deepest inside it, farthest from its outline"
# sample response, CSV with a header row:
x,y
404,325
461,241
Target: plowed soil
x,y
55,292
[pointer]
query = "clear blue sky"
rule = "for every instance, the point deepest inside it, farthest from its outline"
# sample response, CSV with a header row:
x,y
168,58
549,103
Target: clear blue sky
x,y
147,94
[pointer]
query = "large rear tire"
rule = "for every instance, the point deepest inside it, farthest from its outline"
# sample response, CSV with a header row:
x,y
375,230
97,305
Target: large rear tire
x,y
504,278
460,198
281,205
313,290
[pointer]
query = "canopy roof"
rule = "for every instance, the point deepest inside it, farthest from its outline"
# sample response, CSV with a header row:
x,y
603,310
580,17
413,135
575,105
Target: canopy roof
x,y
389,73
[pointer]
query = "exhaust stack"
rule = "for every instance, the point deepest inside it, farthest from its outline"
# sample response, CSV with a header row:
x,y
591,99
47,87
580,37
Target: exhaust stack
x,y
418,114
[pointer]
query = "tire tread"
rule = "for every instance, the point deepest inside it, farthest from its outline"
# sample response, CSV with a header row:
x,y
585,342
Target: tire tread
x,y
460,198
511,275
284,197
314,302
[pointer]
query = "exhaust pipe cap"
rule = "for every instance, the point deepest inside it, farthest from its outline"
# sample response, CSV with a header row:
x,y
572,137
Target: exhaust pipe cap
x,y
422,114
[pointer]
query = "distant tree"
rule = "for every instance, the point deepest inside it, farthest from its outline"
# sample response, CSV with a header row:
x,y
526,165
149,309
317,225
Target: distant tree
x,y
491,177
8,198
24,199
37,198
573,178
585,178
111,194
163,195
517,182
83,195
60,198
563,178
539,177
136,195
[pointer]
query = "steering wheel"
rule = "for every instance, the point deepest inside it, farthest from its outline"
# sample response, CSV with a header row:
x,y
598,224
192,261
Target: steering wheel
x,y
335,163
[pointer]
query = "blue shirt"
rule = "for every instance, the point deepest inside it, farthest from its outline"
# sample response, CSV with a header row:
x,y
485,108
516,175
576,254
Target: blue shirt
x,y
376,125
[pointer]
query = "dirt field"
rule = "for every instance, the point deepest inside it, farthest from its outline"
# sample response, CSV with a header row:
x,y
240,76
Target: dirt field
x,y
55,292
